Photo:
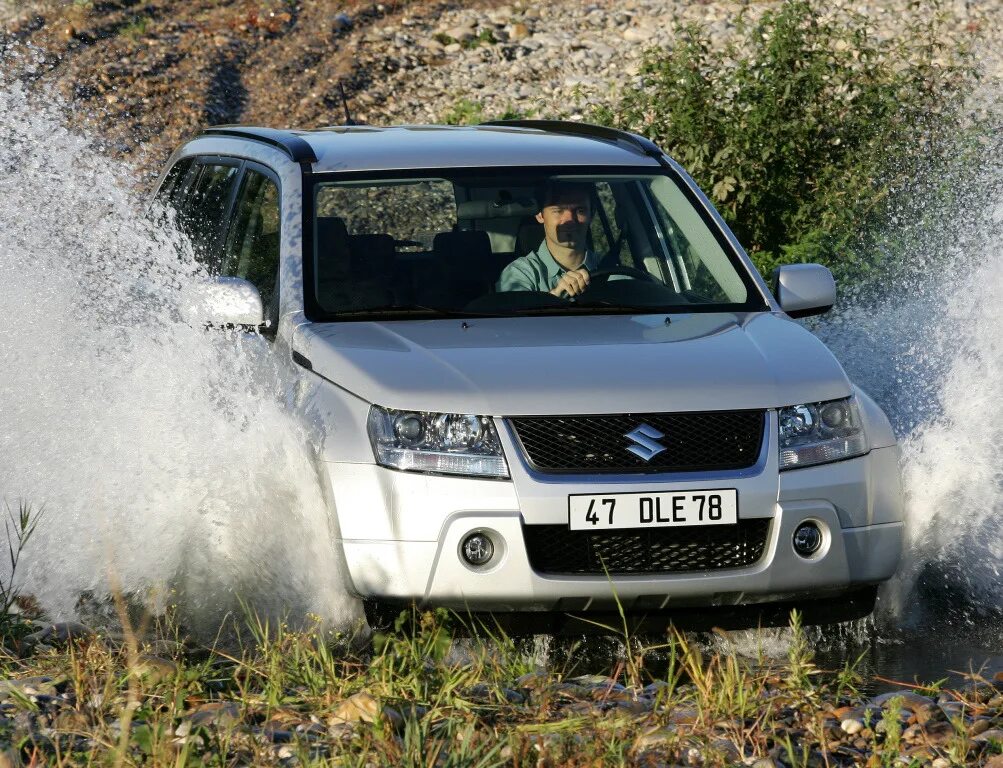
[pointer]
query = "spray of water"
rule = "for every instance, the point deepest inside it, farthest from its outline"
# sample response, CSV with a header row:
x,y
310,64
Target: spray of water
x,y
928,346
159,452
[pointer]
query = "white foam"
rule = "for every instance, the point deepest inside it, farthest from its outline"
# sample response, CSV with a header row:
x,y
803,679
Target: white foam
x,y
930,352
160,452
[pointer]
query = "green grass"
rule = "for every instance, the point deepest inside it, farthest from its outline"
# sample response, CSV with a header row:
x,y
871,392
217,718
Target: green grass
x,y
416,695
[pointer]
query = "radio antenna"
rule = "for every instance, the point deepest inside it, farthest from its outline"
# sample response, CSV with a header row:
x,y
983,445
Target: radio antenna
x,y
344,103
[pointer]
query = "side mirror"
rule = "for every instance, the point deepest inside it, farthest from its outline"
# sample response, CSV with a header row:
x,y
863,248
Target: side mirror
x,y
804,289
228,301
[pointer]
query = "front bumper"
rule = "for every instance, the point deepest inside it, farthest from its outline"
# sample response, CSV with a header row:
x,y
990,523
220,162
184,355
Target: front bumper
x,y
402,533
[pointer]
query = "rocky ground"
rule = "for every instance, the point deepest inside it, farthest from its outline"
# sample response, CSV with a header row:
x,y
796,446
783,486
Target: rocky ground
x,y
74,697
146,74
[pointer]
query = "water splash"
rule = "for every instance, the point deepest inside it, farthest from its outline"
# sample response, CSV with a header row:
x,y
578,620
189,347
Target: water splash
x,y
929,347
160,452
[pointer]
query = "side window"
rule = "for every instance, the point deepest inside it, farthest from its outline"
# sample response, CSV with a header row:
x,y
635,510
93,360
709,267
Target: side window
x,y
173,182
202,207
252,247
608,233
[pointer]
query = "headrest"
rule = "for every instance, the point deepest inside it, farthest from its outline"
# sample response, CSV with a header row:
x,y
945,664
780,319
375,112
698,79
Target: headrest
x,y
529,236
468,250
332,248
495,209
372,255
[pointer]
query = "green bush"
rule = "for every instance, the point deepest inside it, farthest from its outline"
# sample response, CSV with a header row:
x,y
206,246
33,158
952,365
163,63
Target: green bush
x,y
801,125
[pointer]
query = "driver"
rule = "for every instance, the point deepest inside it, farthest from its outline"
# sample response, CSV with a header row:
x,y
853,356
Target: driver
x,y
561,264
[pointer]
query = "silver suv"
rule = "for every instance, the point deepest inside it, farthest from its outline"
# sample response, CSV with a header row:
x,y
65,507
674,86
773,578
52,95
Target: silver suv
x,y
545,379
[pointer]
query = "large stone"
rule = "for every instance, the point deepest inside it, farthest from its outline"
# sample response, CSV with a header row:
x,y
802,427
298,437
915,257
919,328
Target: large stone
x,y
638,34
979,726
908,700
219,713
59,634
518,31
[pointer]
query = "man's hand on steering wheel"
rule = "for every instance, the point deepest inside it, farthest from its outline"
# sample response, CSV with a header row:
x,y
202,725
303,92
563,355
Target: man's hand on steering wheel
x,y
572,283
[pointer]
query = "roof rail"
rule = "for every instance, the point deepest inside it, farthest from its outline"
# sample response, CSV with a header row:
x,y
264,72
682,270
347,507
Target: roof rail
x,y
591,130
299,151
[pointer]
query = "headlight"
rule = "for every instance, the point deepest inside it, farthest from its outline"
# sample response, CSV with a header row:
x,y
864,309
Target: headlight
x,y
816,433
448,443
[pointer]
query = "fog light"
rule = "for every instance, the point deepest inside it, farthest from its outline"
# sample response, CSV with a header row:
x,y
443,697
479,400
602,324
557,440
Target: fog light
x,y
478,549
807,539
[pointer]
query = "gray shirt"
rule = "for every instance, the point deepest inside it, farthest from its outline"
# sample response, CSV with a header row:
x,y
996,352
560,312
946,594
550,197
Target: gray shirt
x,y
538,271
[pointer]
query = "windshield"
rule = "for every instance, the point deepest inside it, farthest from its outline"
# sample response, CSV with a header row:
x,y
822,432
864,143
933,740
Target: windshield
x,y
457,243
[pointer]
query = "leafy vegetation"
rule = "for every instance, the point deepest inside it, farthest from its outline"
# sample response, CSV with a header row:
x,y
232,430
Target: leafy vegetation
x,y
471,112
803,125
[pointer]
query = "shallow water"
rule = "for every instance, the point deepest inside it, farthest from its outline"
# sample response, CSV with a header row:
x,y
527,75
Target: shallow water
x,y
162,458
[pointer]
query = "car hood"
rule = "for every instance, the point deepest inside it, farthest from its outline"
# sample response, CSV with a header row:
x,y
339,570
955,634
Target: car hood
x,y
530,366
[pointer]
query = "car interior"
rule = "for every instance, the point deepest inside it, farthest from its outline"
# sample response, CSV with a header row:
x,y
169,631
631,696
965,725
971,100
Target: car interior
x,y
457,266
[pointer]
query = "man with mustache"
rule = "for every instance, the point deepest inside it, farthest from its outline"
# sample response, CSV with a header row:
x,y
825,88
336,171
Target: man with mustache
x,y
562,263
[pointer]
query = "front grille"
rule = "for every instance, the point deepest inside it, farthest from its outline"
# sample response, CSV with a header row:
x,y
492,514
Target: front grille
x,y
693,442
557,549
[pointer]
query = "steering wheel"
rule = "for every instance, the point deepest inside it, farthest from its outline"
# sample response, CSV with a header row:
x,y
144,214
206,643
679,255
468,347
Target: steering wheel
x,y
603,275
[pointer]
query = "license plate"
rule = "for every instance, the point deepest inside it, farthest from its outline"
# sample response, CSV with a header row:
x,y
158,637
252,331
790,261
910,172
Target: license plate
x,y
589,512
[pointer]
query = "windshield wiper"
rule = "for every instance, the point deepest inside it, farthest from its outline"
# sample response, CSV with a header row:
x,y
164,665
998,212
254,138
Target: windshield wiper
x,y
584,307
403,310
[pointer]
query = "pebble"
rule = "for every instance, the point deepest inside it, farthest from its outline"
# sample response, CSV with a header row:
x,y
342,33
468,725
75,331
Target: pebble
x,y
979,726
852,727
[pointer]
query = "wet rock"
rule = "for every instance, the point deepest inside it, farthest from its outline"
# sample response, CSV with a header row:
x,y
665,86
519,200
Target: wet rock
x,y
979,726
218,713
727,749
277,735
654,738
341,22
59,634
908,700
653,689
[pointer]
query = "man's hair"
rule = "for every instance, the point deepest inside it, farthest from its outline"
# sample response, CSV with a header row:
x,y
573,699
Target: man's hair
x,y
550,191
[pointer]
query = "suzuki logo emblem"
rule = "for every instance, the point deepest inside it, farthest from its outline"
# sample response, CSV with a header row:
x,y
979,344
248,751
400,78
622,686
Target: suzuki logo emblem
x,y
646,438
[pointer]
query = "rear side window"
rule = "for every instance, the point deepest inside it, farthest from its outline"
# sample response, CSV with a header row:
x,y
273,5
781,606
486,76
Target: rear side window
x,y
202,208
252,247
174,182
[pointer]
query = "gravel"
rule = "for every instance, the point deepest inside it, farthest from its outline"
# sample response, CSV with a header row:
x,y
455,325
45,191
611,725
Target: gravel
x,y
148,75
